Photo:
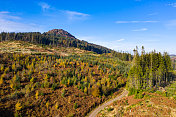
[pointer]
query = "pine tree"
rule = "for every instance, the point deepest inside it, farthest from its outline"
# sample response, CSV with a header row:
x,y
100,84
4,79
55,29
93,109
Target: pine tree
x,y
149,70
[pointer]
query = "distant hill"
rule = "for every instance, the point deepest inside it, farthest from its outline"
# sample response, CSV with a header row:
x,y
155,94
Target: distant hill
x,y
61,33
172,55
60,37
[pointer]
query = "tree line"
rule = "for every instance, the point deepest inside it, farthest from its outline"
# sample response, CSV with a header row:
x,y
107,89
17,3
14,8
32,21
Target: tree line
x,y
149,70
51,39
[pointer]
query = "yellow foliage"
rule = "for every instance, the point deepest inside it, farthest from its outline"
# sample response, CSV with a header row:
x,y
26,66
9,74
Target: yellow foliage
x,y
1,81
98,84
69,99
85,90
85,80
13,67
32,88
47,104
32,79
46,77
14,78
68,82
6,69
11,84
95,91
3,75
2,67
2,78
18,106
37,94
56,105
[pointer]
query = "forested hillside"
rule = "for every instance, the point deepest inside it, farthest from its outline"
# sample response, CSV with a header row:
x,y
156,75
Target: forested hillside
x,y
150,70
61,38
44,81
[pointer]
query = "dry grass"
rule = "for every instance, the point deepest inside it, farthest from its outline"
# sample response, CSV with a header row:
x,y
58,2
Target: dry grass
x,y
151,105
28,48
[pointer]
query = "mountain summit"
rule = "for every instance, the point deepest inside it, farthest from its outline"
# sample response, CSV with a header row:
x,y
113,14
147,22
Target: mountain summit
x,y
61,33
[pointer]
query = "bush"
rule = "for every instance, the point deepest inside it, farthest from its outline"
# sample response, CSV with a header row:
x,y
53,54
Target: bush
x,y
41,93
37,95
138,94
63,93
131,91
46,84
70,115
17,115
54,86
56,105
109,109
175,97
75,105
18,106
47,104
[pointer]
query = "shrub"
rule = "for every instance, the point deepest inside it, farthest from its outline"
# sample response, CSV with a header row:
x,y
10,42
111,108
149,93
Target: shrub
x,y
109,109
56,105
85,90
131,91
175,97
41,93
95,91
47,104
18,106
1,81
46,84
70,115
63,93
138,94
54,86
75,105
32,80
69,99
37,94
17,115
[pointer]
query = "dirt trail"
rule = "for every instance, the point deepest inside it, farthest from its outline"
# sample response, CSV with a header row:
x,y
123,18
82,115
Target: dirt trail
x,y
98,109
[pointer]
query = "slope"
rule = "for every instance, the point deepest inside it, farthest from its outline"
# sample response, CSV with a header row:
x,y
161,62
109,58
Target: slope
x,y
61,38
38,80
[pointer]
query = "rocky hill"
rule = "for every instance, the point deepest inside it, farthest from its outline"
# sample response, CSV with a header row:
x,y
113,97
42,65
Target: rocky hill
x,y
61,33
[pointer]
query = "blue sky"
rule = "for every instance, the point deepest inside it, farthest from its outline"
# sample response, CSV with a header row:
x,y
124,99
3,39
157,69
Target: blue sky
x,y
117,24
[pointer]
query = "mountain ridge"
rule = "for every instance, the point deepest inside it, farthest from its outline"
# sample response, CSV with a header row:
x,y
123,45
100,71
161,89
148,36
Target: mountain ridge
x,y
61,38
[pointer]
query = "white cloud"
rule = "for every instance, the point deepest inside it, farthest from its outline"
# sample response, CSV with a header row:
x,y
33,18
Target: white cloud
x,y
4,12
171,24
125,22
44,6
12,26
11,23
72,15
8,16
120,40
172,4
141,29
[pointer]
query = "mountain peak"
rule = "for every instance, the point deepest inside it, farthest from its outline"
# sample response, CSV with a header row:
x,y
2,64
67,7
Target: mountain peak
x,y
61,33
